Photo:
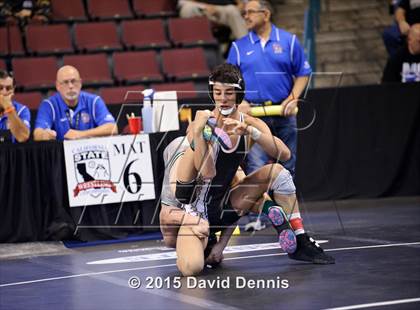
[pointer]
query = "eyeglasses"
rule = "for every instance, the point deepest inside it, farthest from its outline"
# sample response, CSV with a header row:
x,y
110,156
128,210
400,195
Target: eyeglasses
x,y
249,12
68,82
6,87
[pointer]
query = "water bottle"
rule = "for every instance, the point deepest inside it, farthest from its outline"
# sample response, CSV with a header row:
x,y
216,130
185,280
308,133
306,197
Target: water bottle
x,y
147,111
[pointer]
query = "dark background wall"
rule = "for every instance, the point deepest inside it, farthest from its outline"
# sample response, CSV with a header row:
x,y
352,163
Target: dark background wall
x,y
365,142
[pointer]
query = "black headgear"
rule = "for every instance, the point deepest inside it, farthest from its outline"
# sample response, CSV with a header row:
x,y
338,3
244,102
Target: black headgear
x,y
232,77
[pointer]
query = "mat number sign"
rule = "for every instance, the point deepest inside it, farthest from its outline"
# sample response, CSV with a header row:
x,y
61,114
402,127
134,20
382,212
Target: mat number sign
x,y
109,170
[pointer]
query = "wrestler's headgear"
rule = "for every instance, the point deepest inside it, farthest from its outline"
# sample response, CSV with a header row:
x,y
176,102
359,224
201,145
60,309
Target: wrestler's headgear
x,y
229,75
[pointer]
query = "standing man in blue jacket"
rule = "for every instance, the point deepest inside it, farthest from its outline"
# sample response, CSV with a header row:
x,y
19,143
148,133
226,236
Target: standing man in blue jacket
x,y
275,71
71,113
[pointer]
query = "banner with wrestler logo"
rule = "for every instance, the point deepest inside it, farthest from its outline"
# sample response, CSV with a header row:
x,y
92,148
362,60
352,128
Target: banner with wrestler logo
x,y
109,170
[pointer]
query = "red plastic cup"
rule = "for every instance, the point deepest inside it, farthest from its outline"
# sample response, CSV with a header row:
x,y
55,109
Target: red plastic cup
x,y
135,125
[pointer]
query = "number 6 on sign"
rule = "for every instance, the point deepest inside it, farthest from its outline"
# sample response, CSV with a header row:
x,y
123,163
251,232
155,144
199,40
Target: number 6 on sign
x,y
137,179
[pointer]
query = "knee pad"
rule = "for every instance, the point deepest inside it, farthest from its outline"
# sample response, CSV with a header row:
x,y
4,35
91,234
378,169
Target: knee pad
x,y
283,184
184,191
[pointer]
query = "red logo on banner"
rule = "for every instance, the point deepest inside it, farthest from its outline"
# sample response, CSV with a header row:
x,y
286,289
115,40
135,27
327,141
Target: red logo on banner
x,y
94,184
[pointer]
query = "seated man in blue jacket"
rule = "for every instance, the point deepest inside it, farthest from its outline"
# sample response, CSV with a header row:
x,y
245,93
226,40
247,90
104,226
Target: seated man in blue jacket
x,y
71,113
13,115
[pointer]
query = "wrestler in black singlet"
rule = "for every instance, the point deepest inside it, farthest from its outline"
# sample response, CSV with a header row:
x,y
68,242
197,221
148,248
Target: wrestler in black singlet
x,y
215,193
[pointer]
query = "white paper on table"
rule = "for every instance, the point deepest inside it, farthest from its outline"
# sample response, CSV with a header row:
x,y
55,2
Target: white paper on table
x,y
165,111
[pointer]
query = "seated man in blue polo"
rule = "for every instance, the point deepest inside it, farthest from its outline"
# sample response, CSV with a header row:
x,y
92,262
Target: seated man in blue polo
x,y
71,113
14,116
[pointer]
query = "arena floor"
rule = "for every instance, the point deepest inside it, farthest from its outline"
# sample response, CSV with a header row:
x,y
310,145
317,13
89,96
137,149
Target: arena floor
x,y
376,244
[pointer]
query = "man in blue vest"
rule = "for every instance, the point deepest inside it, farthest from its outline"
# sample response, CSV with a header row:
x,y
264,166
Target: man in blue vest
x,y
71,113
275,71
13,115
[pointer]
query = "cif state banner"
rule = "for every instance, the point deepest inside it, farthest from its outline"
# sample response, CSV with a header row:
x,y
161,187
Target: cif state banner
x,y
109,170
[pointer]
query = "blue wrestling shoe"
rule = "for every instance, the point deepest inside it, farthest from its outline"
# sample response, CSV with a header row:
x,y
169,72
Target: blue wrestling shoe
x,y
287,238
213,133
